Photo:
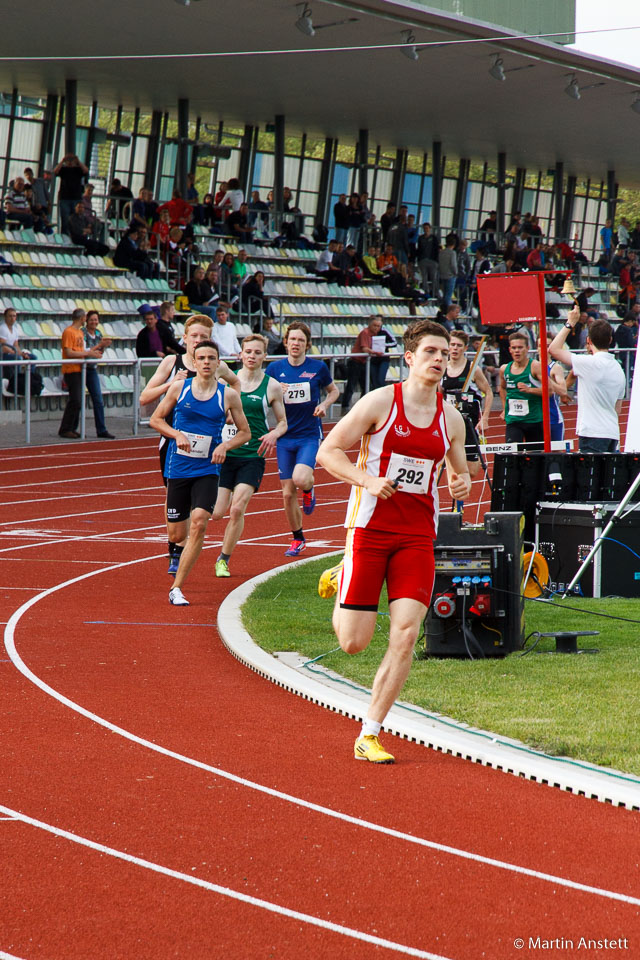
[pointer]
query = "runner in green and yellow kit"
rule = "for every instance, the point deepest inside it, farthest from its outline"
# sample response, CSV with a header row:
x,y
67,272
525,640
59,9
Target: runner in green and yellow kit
x,y
521,394
241,474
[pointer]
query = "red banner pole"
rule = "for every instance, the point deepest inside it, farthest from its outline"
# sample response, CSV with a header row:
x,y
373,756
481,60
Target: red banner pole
x,y
544,363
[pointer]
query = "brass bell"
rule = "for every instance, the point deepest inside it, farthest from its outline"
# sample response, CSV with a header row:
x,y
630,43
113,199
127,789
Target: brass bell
x,y
569,288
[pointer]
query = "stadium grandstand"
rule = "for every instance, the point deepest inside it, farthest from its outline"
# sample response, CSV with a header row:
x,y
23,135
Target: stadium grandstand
x,y
469,116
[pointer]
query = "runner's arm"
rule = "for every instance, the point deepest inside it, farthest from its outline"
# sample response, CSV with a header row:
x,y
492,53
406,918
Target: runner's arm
x,y
367,414
274,398
233,405
226,373
483,384
159,382
458,478
502,390
332,395
164,408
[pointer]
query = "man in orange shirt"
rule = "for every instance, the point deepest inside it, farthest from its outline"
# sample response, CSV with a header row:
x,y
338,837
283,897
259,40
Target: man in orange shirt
x,y
73,348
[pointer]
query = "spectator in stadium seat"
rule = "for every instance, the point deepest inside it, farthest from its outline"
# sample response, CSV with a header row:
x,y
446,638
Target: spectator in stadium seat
x,y
93,340
275,346
202,299
16,204
119,195
606,239
325,265
240,267
536,258
216,263
370,264
238,224
626,338
131,255
357,366
258,213
252,293
398,238
144,210
634,237
73,348
180,211
488,230
224,333
427,256
209,213
387,262
341,218
449,317
71,173
41,198
448,270
232,198
165,325
81,232
151,341
160,231
386,220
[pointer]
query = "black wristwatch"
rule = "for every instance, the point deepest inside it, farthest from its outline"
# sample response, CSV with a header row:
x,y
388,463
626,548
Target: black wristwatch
x,y
568,325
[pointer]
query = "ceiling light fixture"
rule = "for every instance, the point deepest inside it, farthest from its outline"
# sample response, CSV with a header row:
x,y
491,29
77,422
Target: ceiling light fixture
x,y
574,89
497,70
409,49
304,23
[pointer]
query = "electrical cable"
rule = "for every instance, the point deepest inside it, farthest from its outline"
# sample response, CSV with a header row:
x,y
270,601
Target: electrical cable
x,y
308,50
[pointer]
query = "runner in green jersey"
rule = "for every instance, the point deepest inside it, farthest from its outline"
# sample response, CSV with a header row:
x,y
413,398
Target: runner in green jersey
x,y
521,394
241,474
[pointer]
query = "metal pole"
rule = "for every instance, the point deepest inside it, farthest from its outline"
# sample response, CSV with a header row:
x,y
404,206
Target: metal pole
x,y
136,397
544,364
598,544
27,399
83,403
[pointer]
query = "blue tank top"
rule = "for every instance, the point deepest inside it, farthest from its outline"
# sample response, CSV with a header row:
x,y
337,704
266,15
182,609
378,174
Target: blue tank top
x,y
202,421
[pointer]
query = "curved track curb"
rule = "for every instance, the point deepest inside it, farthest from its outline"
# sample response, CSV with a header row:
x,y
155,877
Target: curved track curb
x,y
413,723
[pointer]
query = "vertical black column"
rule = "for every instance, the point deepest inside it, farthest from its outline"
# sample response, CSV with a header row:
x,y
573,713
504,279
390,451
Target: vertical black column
x,y
132,149
245,168
278,169
567,209
612,195
461,194
558,196
48,133
12,122
501,201
153,144
182,159
397,184
71,105
436,184
363,161
93,123
518,191
326,180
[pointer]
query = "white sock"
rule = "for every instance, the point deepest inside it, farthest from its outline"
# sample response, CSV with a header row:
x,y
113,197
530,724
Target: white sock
x,y
370,728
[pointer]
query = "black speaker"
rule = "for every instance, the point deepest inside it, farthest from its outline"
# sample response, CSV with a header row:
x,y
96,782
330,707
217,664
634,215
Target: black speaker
x,y
477,609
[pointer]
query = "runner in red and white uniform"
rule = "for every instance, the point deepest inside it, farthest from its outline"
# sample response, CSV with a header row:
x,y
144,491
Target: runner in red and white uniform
x,y
405,431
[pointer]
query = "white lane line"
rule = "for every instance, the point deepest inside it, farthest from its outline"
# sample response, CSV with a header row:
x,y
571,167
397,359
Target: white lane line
x,y
83,464
9,640
227,891
145,506
84,479
76,539
8,956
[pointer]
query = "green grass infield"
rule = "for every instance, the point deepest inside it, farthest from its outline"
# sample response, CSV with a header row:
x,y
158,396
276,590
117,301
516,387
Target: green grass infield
x,y
583,706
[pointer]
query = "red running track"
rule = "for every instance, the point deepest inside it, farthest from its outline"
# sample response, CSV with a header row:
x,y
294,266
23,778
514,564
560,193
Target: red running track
x,y
218,816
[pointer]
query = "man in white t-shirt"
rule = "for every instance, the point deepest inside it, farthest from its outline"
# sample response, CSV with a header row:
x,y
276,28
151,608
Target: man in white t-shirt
x,y
601,385
224,334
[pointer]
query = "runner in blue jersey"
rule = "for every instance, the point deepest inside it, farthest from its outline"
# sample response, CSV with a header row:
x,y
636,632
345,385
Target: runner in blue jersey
x,y
302,380
200,406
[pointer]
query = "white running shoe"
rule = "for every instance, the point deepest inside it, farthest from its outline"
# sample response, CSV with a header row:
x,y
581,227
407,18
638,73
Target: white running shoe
x,y
177,598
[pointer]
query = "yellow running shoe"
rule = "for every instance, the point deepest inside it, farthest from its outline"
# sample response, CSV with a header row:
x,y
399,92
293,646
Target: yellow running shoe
x,y
369,748
222,568
328,582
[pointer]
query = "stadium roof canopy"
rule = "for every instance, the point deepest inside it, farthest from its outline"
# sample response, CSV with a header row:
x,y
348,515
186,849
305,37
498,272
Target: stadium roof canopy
x,y
446,95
